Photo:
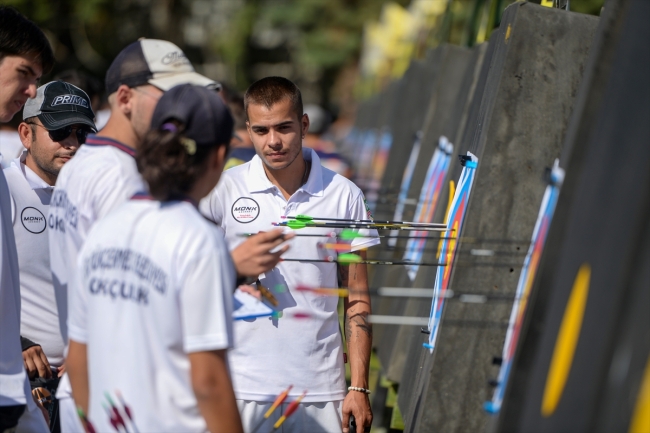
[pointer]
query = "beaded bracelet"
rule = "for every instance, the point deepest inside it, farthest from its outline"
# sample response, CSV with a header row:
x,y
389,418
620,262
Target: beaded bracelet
x,y
356,388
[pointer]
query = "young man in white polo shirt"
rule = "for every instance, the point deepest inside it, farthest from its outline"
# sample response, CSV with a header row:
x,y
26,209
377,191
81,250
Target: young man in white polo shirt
x,y
103,174
25,54
284,179
55,123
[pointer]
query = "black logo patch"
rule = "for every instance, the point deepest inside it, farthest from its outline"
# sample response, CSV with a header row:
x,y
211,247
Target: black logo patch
x,y
33,220
245,210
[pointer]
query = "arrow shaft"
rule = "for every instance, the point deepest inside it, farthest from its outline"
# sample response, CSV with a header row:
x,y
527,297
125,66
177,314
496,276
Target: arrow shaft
x,y
366,262
378,226
312,219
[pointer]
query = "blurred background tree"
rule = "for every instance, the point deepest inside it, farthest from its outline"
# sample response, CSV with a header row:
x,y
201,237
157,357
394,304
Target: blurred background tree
x,y
316,43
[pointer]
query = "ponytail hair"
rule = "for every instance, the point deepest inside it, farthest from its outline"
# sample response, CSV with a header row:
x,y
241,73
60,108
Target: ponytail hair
x,y
171,163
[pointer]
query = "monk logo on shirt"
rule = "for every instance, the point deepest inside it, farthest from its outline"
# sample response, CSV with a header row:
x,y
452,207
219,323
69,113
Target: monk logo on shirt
x,y
33,220
245,210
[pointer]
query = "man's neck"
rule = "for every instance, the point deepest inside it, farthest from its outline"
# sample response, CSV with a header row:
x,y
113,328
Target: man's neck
x,y
119,131
290,178
49,178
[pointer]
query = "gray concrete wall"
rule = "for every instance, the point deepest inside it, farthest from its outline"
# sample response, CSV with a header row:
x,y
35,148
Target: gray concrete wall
x,y
448,103
441,117
602,221
415,377
535,72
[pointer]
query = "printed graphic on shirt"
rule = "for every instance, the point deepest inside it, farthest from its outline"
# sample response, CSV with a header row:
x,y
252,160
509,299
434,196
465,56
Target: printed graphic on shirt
x,y
70,213
124,260
33,220
245,210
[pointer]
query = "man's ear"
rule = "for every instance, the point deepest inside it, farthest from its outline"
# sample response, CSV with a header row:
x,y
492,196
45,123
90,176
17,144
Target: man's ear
x,y
124,99
25,133
305,124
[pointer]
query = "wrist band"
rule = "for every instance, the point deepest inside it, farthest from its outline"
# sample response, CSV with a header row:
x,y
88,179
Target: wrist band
x,y
356,388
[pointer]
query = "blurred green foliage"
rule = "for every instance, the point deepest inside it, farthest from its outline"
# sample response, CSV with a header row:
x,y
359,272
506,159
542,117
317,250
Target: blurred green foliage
x,y
235,40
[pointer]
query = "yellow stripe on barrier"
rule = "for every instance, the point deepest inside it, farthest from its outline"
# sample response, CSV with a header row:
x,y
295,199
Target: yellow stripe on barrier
x,y
641,417
566,342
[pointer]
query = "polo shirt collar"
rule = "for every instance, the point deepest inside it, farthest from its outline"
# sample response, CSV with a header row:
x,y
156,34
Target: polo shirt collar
x,y
34,181
94,140
258,182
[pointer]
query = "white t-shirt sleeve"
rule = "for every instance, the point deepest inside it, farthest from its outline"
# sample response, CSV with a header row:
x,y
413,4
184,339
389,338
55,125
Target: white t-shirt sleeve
x,y
359,210
77,300
207,284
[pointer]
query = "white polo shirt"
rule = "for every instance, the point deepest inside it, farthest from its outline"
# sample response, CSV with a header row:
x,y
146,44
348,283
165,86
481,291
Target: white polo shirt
x,y
101,176
39,319
271,354
154,283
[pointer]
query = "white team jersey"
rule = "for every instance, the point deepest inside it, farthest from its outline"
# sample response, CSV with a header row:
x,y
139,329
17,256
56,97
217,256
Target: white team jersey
x,y
154,283
270,354
101,176
39,319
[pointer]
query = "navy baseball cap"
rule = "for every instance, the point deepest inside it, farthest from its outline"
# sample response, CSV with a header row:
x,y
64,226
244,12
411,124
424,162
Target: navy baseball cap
x,y
58,104
156,62
206,117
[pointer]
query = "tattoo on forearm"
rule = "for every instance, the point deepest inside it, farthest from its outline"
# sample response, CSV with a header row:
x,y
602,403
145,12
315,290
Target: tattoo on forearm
x,y
361,324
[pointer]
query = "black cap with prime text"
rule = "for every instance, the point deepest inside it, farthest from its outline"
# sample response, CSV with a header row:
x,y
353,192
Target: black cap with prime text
x,y
58,104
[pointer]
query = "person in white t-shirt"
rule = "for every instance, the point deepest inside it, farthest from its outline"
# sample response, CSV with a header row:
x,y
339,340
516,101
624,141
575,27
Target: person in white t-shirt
x,y
25,54
56,122
270,354
150,308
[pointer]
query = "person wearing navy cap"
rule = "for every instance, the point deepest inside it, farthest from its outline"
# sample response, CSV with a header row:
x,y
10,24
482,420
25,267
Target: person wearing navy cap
x,y
150,318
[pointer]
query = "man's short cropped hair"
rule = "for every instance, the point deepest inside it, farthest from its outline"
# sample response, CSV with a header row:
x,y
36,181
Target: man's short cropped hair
x,y
20,37
271,90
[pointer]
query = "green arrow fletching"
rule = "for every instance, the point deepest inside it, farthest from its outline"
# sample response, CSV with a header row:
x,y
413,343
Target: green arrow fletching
x,y
348,235
303,218
348,258
296,224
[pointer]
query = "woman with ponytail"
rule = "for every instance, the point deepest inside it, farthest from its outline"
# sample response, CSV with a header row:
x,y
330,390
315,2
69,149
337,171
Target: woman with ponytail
x,y
151,304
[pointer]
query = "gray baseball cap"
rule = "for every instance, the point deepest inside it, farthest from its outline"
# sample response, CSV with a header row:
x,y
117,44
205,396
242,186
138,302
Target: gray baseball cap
x,y
156,62
58,104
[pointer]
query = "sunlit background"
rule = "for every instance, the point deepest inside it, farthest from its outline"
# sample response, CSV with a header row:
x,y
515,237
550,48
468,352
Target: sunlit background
x,y
337,51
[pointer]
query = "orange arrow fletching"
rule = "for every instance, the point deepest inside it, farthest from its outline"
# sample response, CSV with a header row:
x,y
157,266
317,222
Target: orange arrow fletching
x,y
278,401
336,247
293,406
343,293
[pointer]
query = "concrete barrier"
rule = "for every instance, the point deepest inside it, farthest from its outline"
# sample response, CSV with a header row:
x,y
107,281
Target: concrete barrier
x,y
601,228
537,63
